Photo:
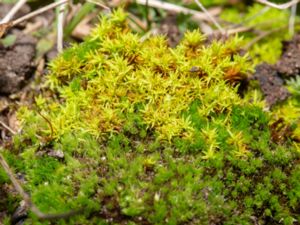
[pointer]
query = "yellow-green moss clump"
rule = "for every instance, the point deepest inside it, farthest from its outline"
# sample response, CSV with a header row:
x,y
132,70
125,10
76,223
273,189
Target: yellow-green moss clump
x,y
154,135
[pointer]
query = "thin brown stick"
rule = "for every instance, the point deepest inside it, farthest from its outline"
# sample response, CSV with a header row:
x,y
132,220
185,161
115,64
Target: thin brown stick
x,y
49,123
39,11
5,26
263,35
137,21
14,181
7,128
239,30
253,28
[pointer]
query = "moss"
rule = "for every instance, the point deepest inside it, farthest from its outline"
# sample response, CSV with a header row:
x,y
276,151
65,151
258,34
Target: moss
x,y
155,135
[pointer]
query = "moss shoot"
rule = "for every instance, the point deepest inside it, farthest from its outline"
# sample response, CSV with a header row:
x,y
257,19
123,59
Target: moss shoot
x,y
154,135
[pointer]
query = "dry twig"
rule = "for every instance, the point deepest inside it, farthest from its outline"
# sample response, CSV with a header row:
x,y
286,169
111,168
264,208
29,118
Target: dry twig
x,y
210,16
5,26
13,11
239,30
8,128
14,181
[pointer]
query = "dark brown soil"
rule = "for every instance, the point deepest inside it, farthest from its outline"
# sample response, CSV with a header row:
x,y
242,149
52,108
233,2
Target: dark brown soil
x,y
271,84
289,63
271,77
16,63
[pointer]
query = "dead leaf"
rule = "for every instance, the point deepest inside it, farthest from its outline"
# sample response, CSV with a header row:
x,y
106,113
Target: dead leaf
x,y
4,27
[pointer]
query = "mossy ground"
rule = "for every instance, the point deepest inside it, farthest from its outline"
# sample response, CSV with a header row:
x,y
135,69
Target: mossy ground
x,y
154,135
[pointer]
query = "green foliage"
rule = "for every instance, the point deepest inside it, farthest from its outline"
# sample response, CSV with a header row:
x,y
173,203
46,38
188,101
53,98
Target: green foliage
x,y
85,9
9,40
155,135
271,23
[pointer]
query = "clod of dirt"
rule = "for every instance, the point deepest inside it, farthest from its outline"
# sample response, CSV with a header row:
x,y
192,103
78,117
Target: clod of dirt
x,y
271,77
289,63
271,84
16,63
